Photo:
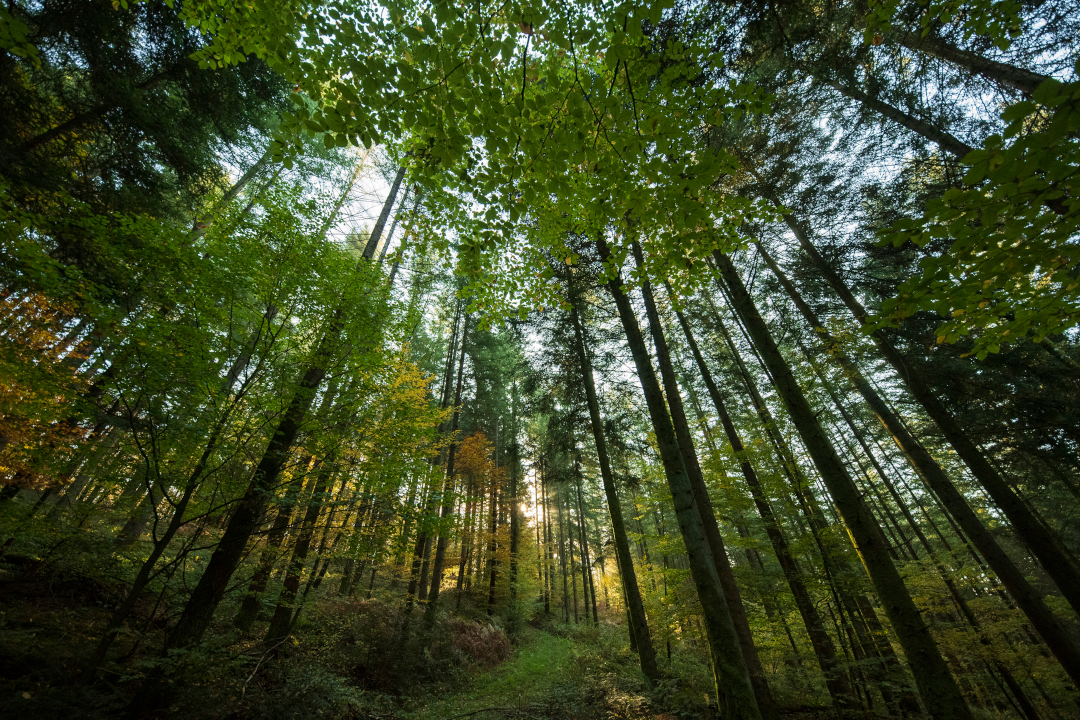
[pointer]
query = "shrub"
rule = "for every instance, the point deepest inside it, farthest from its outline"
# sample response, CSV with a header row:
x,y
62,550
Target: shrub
x,y
484,645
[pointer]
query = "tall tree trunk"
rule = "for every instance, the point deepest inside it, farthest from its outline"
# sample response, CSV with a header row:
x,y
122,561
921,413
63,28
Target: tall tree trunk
x,y
734,690
393,226
376,232
515,507
703,502
639,626
247,514
587,562
448,487
835,680
493,547
1009,75
250,606
1037,537
946,141
568,521
281,621
549,559
1030,600
966,612
937,687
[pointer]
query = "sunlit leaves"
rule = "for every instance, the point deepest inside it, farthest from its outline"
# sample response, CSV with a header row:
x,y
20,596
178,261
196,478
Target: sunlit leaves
x,y
1010,272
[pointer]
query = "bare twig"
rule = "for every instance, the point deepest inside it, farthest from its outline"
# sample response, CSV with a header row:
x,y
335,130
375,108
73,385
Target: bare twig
x,y
259,664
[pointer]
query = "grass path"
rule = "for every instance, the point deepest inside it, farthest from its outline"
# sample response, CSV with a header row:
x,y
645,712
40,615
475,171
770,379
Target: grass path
x,y
539,665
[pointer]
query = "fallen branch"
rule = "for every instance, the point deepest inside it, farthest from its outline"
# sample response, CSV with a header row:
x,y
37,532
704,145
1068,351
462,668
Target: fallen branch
x,y
270,649
477,712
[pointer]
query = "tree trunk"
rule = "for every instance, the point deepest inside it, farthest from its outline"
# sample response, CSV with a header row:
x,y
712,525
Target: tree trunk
x,y
250,606
1019,79
448,487
703,502
1038,539
835,680
587,562
936,685
568,522
281,622
247,514
376,232
734,691
944,140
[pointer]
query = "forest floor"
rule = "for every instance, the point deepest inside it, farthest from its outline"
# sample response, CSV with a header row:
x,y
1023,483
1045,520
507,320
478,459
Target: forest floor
x,y
350,660
537,673
551,675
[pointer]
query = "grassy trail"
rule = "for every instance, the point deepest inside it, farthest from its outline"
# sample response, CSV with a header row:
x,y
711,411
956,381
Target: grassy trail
x,y
539,665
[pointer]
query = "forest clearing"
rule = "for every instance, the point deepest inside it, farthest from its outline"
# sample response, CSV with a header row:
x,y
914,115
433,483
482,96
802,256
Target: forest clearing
x,y
540,359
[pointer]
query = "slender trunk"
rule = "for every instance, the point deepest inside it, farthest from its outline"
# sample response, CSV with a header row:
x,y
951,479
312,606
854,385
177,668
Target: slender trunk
x,y
85,117
703,502
250,606
376,232
734,691
835,679
564,513
515,508
423,536
944,140
146,571
939,690
549,580
448,487
638,624
203,223
393,226
422,591
247,514
281,622
493,548
562,557
587,562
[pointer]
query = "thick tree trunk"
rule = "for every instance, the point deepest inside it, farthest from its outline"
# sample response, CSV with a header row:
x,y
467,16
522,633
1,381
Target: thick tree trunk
x,y
734,690
936,685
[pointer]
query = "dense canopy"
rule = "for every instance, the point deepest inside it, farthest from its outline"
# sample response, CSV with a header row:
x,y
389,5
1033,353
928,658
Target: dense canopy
x,y
345,343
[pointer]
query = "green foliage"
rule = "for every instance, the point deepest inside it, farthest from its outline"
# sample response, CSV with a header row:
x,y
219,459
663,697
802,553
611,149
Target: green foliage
x,y
13,37
997,20
1010,271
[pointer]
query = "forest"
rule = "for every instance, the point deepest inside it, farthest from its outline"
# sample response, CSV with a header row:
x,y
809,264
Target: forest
x,y
540,359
